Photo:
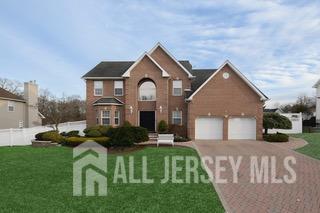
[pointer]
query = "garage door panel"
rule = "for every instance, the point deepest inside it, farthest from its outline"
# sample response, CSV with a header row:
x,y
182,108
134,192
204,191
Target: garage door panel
x,y
242,128
209,128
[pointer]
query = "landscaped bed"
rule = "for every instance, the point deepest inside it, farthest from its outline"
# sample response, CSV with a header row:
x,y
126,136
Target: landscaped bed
x,y
40,180
313,147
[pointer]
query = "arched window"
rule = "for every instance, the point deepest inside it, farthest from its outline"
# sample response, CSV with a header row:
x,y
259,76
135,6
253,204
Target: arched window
x,y
147,91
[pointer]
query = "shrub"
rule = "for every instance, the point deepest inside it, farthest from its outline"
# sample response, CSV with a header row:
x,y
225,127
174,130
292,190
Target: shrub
x,y
73,133
178,138
122,137
272,120
64,134
140,134
126,124
162,127
52,136
101,128
279,137
75,141
93,133
39,136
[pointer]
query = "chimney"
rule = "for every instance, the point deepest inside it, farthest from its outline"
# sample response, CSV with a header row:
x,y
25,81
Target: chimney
x,y
31,97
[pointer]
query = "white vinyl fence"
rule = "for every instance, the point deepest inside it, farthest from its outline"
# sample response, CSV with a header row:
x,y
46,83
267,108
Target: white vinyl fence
x,y
23,136
296,120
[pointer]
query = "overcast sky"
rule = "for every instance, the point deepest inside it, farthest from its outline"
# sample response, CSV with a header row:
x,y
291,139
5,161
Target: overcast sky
x,y
276,44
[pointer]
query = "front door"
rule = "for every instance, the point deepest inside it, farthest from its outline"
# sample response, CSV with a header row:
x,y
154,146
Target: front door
x,y
147,120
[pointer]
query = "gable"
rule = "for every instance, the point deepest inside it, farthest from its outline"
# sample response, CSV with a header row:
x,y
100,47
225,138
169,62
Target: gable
x,y
230,67
148,57
168,61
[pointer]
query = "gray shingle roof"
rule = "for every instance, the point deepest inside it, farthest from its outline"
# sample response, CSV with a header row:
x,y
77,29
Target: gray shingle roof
x,y
201,75
107,101
114,69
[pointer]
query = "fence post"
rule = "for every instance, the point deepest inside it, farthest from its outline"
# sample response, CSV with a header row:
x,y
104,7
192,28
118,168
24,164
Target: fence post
x,y
11,137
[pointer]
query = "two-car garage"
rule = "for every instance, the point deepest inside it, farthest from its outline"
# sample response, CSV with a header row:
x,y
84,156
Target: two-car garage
x,y
211,128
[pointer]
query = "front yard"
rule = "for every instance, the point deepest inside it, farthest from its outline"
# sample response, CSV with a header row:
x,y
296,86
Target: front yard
x,y
313,147
40,180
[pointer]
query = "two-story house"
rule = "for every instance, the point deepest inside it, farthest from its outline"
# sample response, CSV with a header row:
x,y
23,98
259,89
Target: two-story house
x,y
200,103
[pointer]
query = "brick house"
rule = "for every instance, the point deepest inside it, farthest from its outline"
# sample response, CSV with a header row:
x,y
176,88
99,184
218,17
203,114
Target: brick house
x,y
200,103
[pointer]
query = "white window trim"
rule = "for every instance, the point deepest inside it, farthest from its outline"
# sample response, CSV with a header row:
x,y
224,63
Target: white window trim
x,y
11,104
94,89
114,89
172,120
105,117
116,118
176,88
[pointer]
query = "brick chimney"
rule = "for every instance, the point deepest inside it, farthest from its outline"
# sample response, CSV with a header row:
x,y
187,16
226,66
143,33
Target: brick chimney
x,y
31,97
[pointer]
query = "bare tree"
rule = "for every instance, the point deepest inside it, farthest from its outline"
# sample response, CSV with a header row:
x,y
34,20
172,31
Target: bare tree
x,y
12,86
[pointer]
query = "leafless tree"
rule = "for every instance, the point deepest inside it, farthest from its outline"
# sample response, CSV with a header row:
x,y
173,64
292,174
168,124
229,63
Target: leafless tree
x,y
12,86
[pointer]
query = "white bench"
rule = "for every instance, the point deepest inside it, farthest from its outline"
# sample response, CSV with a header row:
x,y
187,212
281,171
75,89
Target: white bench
x,y
165,139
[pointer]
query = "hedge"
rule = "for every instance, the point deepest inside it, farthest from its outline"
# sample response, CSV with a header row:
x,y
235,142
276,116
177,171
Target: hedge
x,y
92,131
279,137
52,136
75,141
127,135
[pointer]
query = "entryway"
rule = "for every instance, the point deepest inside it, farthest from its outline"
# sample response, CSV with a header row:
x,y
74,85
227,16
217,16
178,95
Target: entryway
x,y
147,120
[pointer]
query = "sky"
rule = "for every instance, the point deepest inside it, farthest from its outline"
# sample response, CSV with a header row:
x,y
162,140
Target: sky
x,y
276,44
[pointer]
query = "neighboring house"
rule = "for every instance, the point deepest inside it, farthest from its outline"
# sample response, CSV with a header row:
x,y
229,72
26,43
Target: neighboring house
x,y
317,87
200,103
19,112
272,110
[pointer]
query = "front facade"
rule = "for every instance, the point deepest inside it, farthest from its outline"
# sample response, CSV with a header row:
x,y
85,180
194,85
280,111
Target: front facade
x,y
218,104
20,112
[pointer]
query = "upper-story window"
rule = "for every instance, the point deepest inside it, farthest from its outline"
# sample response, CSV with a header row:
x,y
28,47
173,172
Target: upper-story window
x,y
10,106
98,88
147,91
118,88
177,88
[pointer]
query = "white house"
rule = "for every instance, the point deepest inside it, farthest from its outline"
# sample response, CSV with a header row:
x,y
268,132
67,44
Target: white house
x,y
317,86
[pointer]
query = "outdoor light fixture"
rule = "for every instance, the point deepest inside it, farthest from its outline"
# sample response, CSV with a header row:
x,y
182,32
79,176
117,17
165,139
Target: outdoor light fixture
x,y
131,109
160,108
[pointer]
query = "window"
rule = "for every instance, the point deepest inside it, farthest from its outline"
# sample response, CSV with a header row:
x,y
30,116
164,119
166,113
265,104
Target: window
x,y
98,88
147,91
116,118
105,117
97,118
177,88
118,88
10,106
177,117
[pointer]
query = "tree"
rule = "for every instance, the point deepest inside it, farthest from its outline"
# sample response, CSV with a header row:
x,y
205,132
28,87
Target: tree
x,y
59,110
304,104
11,86
272,120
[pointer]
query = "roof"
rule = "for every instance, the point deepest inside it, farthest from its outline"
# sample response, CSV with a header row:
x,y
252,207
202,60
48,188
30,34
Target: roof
x,y
249,83
109,69
316,85
270,110
115,69
201,75
107,101
5,94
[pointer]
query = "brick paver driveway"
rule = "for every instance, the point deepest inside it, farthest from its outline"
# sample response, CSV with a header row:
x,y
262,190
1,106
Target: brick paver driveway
x,y
244,196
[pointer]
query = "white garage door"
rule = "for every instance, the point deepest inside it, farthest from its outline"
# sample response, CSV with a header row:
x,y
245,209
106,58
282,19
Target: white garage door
x,y
209,128
242,128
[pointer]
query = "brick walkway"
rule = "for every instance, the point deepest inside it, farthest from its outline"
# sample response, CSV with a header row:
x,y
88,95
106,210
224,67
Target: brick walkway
x,y
301,196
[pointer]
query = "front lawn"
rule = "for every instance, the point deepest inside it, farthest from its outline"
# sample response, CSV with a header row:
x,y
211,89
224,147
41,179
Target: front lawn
x,y
40,180
313,148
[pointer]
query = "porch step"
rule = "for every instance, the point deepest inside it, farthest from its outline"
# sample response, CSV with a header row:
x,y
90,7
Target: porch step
x,y
153,136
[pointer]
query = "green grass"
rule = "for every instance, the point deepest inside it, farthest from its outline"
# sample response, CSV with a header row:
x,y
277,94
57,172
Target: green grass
x,y
40,180
313,148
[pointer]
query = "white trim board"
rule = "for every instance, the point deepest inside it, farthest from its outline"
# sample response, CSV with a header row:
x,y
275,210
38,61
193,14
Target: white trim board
x,y
127,73
172,57
227,62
